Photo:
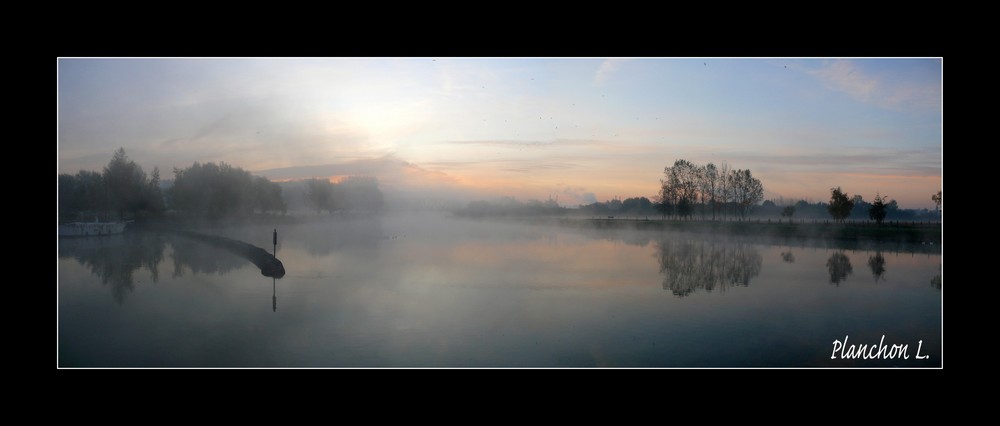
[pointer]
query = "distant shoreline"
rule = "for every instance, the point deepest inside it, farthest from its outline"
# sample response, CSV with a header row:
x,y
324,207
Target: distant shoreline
x,y
918,234
910,236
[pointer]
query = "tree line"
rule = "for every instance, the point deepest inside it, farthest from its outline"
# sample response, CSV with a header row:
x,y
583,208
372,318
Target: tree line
x,y
634,206
508,206
124,191
684,189
686,186
220,190
121,191
842,207
355,193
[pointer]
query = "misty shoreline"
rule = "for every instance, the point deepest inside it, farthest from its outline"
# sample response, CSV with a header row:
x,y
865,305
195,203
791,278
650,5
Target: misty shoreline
x,y
906,237
916,237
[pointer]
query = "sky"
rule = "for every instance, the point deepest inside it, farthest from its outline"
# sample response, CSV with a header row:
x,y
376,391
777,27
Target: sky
x,y
580,129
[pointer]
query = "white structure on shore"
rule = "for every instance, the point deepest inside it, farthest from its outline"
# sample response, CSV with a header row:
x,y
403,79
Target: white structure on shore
x,y
83,229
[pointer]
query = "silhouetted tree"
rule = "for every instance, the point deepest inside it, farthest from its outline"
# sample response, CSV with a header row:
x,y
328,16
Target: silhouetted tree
x,y
725,187
710,185
128,188
788,212
840,205
637,206
767,208
681,186
747,191
151,200
122,187
936,198
662,205
684,208
861,207
93,192
877,210
360,193
891,208
213,190
686,185
267,195
668,194
320,193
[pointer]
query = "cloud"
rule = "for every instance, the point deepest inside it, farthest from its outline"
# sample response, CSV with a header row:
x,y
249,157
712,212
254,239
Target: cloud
x,y
521,143
516,165
389,170
607,67
844,76
576,194
891,90
871,161
927,96
536,166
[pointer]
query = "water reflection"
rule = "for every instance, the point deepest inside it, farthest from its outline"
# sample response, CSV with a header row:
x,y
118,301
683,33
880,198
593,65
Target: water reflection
x,y
325,237
936,281
455,293
116,258
876,263
689,265
199,257
839,266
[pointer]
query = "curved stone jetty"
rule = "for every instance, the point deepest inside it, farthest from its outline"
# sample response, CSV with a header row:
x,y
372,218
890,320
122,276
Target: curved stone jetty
x,y
269,265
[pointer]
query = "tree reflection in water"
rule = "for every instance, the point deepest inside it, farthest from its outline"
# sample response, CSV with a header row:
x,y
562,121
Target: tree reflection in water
x,y
839,266
877,264
788,257
115,259
689,265
202,258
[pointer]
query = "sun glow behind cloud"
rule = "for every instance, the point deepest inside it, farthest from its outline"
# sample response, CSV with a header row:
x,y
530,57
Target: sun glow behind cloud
x,y
582,128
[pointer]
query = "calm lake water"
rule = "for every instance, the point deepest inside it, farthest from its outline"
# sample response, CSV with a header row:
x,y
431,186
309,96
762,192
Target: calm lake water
x,y
433,291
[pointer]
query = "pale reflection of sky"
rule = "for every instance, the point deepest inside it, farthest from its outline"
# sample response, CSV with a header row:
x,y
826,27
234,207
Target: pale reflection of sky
x,y
448,292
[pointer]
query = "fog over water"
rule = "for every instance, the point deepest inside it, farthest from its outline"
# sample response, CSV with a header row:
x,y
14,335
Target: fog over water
x,y
431,290
499,212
